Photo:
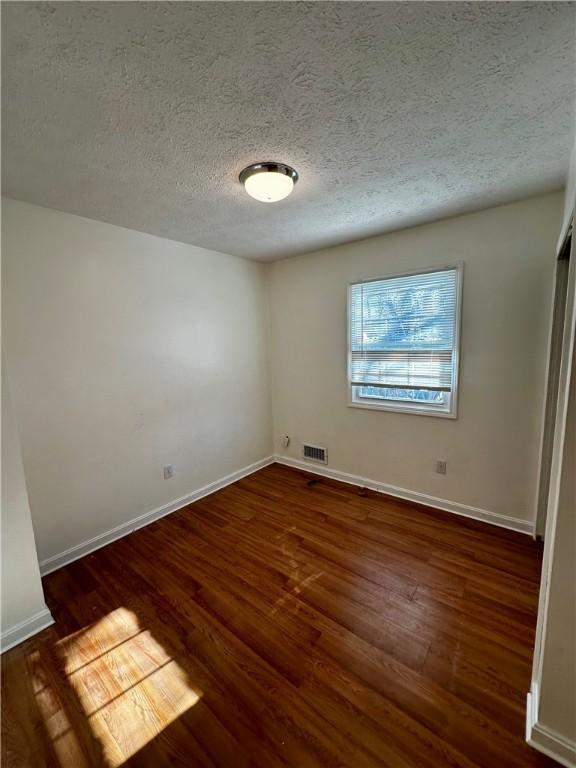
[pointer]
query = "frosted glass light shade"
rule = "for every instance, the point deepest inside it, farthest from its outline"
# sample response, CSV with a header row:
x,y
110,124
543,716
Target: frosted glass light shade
x,y
269,187
268,182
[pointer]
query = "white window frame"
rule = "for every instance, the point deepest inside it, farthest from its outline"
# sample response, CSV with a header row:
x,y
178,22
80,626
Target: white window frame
x,y
401,406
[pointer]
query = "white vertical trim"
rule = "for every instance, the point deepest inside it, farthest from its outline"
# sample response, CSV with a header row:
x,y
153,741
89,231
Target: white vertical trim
x,y
556,468
560,290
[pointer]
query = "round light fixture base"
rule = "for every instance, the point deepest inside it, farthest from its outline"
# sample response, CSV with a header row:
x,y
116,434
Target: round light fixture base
x,y
268,182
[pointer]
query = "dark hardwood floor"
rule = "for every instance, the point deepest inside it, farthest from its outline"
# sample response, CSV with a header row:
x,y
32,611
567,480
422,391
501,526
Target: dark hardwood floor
x,y
283,621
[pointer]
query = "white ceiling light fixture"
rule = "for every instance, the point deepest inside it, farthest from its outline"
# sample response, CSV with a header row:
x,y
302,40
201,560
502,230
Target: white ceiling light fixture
x,y
268,182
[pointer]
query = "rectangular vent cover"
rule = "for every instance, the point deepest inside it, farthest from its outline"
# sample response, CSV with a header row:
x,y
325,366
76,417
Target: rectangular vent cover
x,y
315,453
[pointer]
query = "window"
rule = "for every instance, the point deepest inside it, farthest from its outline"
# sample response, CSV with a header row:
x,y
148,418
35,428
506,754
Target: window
x,y
403,342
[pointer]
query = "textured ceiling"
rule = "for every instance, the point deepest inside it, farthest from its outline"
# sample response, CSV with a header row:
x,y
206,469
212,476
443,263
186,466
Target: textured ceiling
x,y
143,114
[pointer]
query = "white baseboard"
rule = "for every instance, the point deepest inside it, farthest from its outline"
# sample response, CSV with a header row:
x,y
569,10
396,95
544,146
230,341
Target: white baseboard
x,y
25,629
484,515
102,539
544,739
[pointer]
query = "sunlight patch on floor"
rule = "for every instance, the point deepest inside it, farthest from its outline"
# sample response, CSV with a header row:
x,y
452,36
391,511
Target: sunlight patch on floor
x,y
64,740
125,684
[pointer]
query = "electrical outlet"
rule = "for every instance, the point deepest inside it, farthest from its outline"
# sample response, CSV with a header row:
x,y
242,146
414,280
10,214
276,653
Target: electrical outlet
x,y
168,471
285,441
441,467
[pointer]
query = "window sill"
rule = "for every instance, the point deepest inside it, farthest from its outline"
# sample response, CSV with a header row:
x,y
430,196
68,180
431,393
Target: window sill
x,y
414,410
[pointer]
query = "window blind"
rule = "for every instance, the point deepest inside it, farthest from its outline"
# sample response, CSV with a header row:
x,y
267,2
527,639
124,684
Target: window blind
x,y
403,330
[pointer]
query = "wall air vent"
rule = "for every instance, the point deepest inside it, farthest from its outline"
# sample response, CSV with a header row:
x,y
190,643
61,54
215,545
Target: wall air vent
x,y
315,453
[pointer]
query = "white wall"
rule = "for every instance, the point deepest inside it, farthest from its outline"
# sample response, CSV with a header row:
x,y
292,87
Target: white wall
x,y
492,447
127,352
22,595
